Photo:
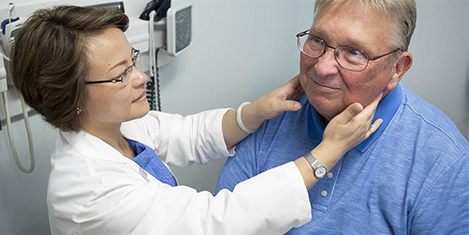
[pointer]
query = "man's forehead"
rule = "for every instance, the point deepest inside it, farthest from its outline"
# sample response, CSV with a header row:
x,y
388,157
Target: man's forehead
x,y
344,25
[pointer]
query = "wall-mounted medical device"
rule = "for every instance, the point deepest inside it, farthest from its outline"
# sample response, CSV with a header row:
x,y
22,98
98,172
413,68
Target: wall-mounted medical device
x,y
176,23
179,25
10,27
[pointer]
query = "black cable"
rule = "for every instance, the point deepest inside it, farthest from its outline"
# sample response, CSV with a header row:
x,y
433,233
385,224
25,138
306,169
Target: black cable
x,y
153,92
150,90
157,81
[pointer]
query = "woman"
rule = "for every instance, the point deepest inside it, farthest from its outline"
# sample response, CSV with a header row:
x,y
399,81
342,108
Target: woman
x,y
76,68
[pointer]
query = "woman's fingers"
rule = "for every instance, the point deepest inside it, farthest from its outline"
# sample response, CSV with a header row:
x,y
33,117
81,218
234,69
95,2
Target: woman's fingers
x,y
374,127
292,88
369,111
368,114
349,113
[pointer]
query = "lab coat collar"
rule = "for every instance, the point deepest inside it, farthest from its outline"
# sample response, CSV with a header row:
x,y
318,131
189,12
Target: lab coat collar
x,y
386,110
91,146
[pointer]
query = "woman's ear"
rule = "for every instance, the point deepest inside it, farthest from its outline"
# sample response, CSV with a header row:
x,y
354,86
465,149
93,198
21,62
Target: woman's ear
x,y
402,65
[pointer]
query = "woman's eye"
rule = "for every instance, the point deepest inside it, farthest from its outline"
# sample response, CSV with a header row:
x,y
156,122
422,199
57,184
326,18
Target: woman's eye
x,y
127,71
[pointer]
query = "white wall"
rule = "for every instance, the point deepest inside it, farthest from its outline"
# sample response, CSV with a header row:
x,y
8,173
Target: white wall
x,y
243,49
22,196
441,47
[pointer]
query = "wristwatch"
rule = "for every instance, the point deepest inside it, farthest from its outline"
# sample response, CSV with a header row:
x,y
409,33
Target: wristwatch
x,y
319,169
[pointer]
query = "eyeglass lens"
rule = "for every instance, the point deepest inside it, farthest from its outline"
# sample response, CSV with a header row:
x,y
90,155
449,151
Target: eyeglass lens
x,y
125,78
347,57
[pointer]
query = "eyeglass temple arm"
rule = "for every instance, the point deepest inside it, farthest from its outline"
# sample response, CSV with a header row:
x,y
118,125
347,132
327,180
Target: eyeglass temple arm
x,y
102,81
377,57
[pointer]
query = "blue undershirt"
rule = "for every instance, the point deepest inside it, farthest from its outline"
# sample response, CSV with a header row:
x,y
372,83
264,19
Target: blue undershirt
x,y
409,177
148,160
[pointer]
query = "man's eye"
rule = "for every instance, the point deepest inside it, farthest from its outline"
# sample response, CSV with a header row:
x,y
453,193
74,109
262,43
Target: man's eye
x,y
354,52
316,40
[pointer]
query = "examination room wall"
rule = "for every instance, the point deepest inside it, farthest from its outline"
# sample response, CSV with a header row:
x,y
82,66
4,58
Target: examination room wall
x,y
243,49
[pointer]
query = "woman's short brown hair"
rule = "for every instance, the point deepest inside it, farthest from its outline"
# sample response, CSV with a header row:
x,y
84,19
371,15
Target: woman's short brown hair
x,y
49,62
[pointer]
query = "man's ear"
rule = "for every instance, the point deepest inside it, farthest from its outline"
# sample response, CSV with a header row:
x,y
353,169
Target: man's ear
x,y
400,68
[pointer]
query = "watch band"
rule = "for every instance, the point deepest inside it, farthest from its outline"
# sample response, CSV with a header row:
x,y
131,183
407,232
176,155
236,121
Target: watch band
x,y
318,169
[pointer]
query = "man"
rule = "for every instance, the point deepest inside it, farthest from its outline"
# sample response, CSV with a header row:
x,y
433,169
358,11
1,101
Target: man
x,y
409,177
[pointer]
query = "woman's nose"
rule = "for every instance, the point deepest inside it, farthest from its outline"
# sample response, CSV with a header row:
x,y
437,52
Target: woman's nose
x,y
139,77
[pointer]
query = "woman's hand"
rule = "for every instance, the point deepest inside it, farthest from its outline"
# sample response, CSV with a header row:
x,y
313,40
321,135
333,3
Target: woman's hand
x,y
266,107
273,104
348,129
343,132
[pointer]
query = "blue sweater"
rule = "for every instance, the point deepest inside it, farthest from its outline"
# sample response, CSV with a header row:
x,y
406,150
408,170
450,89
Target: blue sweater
x,y
410,177
149,161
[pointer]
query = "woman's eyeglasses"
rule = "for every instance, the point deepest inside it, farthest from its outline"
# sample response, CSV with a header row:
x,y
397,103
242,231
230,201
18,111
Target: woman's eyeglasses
x,y
125,77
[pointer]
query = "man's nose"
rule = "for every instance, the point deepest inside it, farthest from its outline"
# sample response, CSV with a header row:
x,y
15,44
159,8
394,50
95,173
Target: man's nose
x,y
327,64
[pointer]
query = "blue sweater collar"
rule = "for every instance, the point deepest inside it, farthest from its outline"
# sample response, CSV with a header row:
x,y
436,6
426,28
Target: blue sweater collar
x,y
148,160
386,110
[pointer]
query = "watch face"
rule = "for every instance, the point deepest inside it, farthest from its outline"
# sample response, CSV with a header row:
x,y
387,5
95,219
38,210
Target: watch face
x,y
320,172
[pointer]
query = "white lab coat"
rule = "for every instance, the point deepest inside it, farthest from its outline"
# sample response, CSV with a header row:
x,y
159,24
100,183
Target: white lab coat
x,y
93,189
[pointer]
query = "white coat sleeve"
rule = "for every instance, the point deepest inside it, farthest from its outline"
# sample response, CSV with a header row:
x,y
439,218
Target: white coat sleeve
x,y
270,203
179,140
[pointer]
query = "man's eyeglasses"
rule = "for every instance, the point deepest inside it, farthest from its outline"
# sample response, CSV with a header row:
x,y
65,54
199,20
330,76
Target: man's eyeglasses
x,y
347,57
125,77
